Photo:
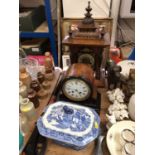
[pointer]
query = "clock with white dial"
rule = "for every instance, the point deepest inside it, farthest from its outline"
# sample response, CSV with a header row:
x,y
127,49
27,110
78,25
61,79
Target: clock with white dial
x,y
76,89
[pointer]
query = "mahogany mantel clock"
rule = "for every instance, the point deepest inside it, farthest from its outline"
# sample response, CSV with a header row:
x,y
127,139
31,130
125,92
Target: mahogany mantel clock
x,y
86,42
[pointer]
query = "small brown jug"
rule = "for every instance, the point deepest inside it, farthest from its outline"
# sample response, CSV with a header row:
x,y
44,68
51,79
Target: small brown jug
x,y
25,77
48,60
35,85
32,96
41,77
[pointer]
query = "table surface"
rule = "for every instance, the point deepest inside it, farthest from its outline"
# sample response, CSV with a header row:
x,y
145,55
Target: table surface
x,y
104,106
43,104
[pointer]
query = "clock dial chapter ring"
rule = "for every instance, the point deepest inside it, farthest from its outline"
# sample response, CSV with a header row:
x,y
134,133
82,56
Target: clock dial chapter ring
x,y
76,88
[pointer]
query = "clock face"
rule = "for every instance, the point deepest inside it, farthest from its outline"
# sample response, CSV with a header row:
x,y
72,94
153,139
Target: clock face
x,y
76,89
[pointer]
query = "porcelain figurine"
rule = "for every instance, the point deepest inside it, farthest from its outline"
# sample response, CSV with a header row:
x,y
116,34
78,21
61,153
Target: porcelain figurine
x,y
116,94
111,120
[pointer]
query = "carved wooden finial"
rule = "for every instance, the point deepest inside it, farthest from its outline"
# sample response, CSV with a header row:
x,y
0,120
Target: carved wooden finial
x,y
88,16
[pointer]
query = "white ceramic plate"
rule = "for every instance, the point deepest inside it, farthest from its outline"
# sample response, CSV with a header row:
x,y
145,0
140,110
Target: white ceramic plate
x,y
126,66
114,134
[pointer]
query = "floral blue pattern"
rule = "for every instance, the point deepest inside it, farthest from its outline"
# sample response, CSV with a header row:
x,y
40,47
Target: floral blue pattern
x,y
75,119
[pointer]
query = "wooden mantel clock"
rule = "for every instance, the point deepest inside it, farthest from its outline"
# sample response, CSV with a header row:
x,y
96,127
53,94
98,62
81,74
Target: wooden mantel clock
x,y
86,42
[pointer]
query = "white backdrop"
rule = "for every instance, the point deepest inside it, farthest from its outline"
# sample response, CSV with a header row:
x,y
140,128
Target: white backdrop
x,y
76,8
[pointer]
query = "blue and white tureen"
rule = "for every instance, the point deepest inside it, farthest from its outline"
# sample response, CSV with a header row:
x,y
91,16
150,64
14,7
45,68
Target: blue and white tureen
x,y
69,124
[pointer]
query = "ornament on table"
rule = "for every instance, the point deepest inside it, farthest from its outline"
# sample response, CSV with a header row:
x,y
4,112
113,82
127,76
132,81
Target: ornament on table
x,y
46,85
118,108
24,77
42,94
35,85
48,62
111,120
22,89
114,76
41,77
49,76
24,125
116,95
27,109
32,96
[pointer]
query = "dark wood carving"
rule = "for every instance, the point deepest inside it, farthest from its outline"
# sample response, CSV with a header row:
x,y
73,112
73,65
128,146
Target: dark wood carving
x,y
90,36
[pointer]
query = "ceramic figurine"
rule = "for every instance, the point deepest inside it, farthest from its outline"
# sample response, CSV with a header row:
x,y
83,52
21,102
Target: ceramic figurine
x,y
22,89
111,120
33,97
116,95
24,76
114,76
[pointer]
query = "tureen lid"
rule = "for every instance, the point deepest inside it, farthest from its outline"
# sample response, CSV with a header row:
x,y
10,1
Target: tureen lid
x,y
69,123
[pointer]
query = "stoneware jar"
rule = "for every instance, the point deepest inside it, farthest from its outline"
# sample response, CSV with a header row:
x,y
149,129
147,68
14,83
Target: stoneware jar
x,y
25,77
49,76
46,85
24,125
42,94
33,97
27,109
49,60
40,77
22,89
35,85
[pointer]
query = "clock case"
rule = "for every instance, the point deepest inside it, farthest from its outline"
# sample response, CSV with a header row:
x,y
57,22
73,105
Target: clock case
x,y
94,101
87,40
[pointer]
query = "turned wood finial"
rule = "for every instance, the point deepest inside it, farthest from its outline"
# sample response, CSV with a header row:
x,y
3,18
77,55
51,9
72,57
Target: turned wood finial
x,y
88,16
